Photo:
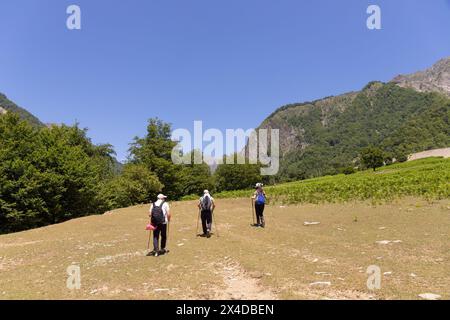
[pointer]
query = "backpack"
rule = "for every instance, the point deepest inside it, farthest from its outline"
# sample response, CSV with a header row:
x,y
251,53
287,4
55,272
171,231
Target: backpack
x,y
158,214
260,198
206,203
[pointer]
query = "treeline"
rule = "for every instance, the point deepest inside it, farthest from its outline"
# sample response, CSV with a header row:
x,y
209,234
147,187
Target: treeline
x,y
48,174
52,174
396,120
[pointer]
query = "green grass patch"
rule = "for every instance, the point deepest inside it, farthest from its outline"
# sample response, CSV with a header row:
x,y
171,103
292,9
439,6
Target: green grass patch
x,y
427,178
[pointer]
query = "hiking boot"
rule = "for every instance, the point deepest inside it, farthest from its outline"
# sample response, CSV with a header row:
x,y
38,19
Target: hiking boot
x,y
208,234
162,251
152,253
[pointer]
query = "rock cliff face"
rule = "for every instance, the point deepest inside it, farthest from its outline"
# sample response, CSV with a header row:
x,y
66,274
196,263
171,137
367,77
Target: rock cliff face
x,y
436,78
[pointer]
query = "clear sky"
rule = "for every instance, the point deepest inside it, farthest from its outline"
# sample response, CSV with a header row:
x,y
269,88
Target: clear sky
x,y
229,63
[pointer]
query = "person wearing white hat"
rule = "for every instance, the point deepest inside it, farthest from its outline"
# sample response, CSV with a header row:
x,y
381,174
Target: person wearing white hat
x,y
160,218
206,206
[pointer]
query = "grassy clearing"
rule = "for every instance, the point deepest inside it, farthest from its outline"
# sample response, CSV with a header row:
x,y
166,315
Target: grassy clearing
x,y
426,178
278,262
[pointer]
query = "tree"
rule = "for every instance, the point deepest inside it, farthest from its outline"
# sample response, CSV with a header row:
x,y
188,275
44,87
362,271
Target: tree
x,y
372,157
237,176
196,177
135,185
47,174
155,152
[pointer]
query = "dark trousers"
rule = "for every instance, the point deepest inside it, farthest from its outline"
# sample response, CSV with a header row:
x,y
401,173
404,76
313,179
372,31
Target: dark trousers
x,y
259,209
160,229
206,220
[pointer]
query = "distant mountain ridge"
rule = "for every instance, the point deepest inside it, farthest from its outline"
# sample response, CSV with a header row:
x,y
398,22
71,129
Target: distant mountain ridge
x,y
7,105
434,79
409,114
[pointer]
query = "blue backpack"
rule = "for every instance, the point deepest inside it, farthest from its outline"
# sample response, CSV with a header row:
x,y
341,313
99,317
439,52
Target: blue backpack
x,y
260,198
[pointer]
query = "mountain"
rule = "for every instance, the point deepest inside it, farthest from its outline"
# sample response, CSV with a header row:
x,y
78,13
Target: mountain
x,y
409,114
436,78
7,105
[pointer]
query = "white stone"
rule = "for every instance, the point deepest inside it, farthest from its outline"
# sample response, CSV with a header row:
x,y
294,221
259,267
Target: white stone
x,y
321,283
307,223
429,296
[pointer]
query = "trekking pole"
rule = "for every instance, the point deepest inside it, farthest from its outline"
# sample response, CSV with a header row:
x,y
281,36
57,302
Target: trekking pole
x,y
253,212
149,237
215,223
168,229
198,219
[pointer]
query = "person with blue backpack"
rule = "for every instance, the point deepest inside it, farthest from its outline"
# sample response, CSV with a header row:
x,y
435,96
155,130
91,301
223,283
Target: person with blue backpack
x,y
259,201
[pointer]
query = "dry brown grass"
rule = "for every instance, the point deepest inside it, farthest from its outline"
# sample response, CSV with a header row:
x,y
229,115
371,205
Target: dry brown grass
x,y
279,262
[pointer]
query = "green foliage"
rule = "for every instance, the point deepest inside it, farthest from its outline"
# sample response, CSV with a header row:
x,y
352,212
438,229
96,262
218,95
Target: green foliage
x,y
155,152
137,184
47,175
372,157
333,130
427,178
236,176
52,174
196,178
348,170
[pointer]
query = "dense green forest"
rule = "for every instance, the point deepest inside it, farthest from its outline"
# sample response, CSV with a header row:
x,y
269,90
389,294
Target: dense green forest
x,y
48,174
332,132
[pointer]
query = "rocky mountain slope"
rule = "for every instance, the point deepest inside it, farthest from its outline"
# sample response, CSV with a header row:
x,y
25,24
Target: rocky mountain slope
x,y
409,114
436,78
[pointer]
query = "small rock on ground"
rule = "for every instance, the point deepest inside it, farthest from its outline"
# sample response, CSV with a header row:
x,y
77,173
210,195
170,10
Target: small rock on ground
x,y
429,296
307,223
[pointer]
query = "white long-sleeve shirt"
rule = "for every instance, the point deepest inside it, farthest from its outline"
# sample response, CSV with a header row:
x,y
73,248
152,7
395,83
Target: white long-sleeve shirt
x,y
165,209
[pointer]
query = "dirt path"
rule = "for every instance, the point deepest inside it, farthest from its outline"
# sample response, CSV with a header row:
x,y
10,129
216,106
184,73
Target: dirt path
x,y
445,152
240,284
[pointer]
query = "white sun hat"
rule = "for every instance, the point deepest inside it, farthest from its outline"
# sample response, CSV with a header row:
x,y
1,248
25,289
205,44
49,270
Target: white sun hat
x,y
206,192
161,196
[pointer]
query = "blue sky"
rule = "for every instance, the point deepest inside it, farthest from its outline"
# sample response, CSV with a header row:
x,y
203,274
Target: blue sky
x,y
229,63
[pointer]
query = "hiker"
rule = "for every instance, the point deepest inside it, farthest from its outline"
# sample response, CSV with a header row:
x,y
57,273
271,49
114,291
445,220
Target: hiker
x,y
259,200
206,205
160,218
